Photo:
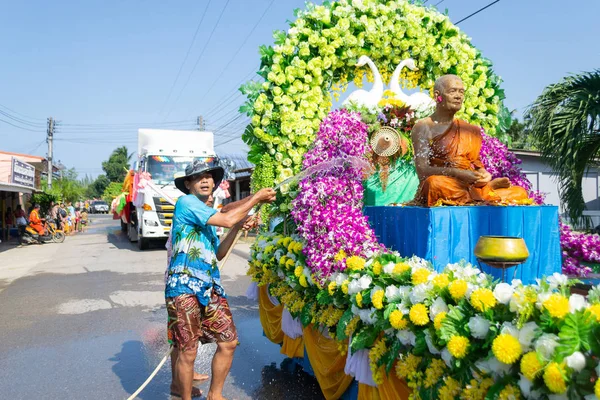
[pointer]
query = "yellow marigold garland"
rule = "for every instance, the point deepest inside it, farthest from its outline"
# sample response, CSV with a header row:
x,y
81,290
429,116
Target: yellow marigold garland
x,y
506,348
418,314
483,299
554,378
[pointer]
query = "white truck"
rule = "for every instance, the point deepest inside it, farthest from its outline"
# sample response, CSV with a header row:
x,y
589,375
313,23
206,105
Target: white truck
x,y
162,154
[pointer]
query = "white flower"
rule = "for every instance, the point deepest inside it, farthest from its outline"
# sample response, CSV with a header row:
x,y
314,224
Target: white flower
x,y
497,368
438,306
262,244
576,361
558,397
447,357
526,334
417,262
340,278
545,345
470,289
503,293
419,292
541,298
364,282
577,302
389,268
406,337
510,329
479,327
516,282
598,369
430,345
280,274
557,280
465,272
392,293
525,385
353,287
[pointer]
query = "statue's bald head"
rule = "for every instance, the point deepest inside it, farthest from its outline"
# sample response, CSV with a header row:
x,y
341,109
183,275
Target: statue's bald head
x,y
442,82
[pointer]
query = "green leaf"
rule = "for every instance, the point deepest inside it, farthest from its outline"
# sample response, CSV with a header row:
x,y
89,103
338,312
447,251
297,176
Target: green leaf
x,y
246,108
248,136
393,354
343,323
364,338
453,324
266,51
388,311
305,315
279,36
255,154
420,344
574,335
594,340
324,298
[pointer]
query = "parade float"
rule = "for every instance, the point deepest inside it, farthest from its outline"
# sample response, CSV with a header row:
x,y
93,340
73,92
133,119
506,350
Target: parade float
x,y
414,316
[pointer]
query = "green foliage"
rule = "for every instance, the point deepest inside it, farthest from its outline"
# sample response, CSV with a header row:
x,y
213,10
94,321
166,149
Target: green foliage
x,y
96,189
566,127
343,323
44,200
117,164
112,191
574,334
66,188
364,338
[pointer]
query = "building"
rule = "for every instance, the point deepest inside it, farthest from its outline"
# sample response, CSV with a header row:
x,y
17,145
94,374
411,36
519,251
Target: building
x,y
546,181
239,186
20,176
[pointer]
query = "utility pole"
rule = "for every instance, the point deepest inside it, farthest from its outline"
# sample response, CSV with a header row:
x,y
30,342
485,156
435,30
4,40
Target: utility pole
x,y
49,139
200,122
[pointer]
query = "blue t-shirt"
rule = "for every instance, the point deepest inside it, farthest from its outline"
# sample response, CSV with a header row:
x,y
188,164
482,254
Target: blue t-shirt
x,y
193,268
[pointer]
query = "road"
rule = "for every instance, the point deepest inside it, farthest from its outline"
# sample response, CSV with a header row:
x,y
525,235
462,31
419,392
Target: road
x,y
86,319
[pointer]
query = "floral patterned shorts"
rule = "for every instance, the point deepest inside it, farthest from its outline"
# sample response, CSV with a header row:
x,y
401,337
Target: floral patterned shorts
x,y
190,322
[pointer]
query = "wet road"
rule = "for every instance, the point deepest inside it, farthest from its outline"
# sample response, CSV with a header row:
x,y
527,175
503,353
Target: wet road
x,y
86,319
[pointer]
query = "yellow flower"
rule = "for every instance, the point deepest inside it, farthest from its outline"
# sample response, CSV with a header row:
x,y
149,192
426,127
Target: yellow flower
x,y
557,305
458,289
450,390
401,268
506,348
597,389
554,378
437,321
345,286
418,314
351,327
420,275
531,365
359,299
407,366
458,346
331,288
440,281
595,310
340,255
282,260
397,320
377,268
483,299
377,299
355,263
510,393
298,272
303,281
434,372
289,263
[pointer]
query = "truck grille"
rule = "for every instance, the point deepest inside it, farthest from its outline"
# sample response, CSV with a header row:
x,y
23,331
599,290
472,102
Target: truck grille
x,y
164,209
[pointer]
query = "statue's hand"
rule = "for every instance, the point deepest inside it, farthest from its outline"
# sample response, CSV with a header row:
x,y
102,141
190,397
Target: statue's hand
x,y
486,178
469,177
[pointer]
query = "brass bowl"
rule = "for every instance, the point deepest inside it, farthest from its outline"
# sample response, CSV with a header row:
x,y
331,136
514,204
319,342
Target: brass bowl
x,y
501,249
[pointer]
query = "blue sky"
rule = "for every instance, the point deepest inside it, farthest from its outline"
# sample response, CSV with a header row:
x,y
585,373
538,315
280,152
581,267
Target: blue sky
x,y
114,62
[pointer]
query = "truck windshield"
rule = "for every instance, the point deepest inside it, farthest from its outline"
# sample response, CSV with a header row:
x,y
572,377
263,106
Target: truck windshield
x,y
162,169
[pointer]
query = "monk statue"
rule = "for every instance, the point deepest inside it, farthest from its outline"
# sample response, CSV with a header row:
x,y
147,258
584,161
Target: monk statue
x,y
447,156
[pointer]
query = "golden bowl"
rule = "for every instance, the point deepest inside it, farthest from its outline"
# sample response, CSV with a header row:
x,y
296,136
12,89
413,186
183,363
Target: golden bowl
x,y
501,249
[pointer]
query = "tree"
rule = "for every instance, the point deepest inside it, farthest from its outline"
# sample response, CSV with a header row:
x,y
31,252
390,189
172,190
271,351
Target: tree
x,y
112,190
66,188
520,134
117,164
566,127
96,189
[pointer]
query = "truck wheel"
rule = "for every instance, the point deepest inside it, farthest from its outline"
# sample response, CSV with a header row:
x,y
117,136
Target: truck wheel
x,y
143,243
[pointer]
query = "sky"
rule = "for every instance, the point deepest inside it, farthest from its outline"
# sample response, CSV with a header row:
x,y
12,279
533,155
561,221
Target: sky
x,y
103,69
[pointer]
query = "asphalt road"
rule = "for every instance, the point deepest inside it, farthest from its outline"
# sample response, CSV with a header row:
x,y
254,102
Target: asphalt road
x,y
86,319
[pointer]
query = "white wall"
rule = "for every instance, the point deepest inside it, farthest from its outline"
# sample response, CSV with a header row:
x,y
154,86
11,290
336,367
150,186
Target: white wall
x,y
545,180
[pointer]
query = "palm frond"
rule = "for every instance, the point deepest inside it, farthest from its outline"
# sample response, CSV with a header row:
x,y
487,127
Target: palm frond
x,y
566,128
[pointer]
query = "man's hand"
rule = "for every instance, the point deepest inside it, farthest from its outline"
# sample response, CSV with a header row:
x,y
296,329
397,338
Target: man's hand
x,y
250,222
469,177
266,195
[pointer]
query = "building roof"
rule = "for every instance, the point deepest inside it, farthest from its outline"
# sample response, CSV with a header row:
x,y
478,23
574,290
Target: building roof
x,y
243,167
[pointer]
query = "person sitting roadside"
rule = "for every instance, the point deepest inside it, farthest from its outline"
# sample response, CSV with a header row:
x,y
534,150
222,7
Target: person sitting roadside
x,y
21,222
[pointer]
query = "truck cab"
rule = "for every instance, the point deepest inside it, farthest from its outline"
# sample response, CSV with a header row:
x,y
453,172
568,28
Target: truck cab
x,y
162,155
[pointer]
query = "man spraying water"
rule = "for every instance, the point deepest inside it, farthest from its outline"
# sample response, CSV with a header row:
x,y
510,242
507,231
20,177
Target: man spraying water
x,y
196,302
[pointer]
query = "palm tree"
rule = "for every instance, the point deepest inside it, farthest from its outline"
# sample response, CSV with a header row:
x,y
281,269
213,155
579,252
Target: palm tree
x,y
194,254
566,126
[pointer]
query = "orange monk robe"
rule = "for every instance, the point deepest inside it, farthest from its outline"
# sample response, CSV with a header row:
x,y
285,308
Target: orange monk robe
x,y
35,222
459,147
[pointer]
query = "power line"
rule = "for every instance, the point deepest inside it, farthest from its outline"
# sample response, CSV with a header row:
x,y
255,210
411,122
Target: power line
x,y
438,3
22,121
20,127
22,115
198,59
235,91
237,51
476,12
185,58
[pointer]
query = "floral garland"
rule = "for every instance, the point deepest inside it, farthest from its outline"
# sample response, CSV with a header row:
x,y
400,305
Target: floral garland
x,y
328,208
316,57
451,334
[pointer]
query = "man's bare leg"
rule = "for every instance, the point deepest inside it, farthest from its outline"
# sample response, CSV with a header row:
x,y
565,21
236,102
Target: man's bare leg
x,y
221,363
184,372
197,376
